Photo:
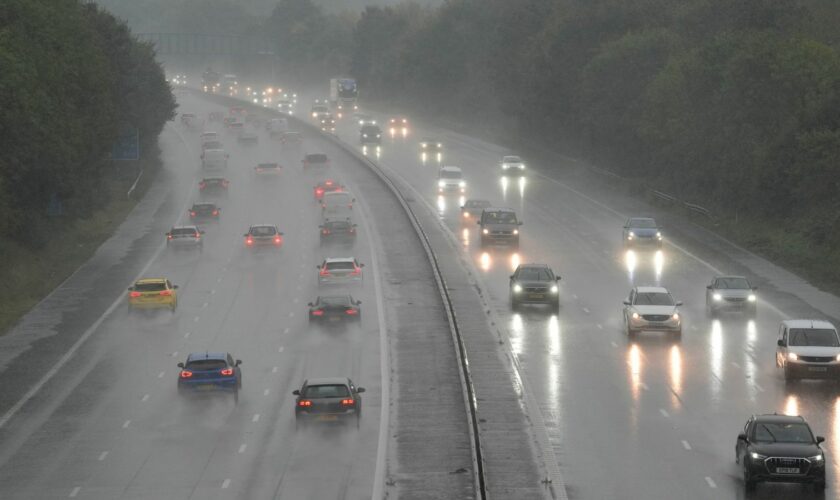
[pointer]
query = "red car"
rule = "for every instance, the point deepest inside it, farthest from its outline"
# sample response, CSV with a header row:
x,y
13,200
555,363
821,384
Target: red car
x,y
327,186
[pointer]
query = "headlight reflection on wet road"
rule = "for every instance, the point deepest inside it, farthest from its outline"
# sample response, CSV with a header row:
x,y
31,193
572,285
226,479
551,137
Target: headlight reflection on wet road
x,y
485,261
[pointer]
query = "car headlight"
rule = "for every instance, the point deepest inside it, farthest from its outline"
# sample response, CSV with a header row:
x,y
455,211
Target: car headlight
x,y
631,235
505,166
516,231
757,456
462,184
816,458
466,214
717,297
837,357
521,166
364,135
675,316
485,231
635,315
751,298
554,288
441,183
792,356
659,235
439,145
517,288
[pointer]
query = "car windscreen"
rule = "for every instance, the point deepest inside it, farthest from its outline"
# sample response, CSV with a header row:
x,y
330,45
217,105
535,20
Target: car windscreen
x,y
535,274
512,159
334,301
183,231
823,337
643,223
149,287
370,129
732,284
326,391
334,266
777,432
206,364
450,174
263,231
499,218
653,299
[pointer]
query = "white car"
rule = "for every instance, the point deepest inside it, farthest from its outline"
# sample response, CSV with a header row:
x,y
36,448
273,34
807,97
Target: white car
x,y
339,270
214,159
185,237
808,349
512,165
451,180
337,203
652,308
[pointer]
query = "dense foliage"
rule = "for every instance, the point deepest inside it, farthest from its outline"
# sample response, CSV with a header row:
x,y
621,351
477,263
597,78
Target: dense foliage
x,y
70,77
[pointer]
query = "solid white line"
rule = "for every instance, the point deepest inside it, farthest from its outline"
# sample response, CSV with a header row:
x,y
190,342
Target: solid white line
x,y
586,310
664,413
256,418
760,389
145,398
281,349
103,455
126,424
686,445
225,484
710,482
161,374
644,386
242,448
265,392
274,369
75,491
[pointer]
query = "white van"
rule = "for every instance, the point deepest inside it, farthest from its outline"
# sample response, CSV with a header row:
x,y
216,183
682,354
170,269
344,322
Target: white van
x,y
214,159
277,126
337,204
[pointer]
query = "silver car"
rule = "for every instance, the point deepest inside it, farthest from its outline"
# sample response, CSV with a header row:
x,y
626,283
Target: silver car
x,y
652,308
808,349
730,293
185,237
339,270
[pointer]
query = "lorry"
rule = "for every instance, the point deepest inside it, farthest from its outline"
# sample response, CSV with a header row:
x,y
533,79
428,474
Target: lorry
x,y
230,84
343,95
210,81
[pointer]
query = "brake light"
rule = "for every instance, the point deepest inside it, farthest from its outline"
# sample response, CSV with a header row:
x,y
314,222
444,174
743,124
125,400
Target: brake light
x,y
168,236
134,295
317,312
328,183
166,293
352,312
324,272
249,241
197,236
325,231
305,403
186,374
348,402
225,183
202,185
192,213
356,271
227,372
352,230
215,212
319,192
277,240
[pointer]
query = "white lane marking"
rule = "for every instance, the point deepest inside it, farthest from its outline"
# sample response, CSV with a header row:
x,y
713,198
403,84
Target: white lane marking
x,y
213,292
600,327
644,386
710,482
256,418
295,300
219,279
242,448
686,445
274,370
265,392
126,424
204,305
760,389
103,455
664,413
225,484
736,365
187,335
145,398
613,344
175,354
586,310
75,492
281,349
161,374
195,319
286,330
291,314
575,296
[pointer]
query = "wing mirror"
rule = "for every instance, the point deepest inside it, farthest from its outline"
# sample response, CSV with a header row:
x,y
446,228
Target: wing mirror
x,y
180,365
358,302
361,265
310,304
131,288
780,343
362,389
754,288
708,287
520,223
557,278
319,227
238,362
679,303
742,437
318,267
175,287
626,302
478,222
820,439
355,225
296,392
200,231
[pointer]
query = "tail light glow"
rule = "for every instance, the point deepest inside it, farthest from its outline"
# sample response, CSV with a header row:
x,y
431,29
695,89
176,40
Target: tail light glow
x,y
168,236
348,402
325,231
166,293
324,272
318,312
356,271
202,185
192,213
352,312
304,403
215,212
227,372
277,240
249,241
134,295
186,374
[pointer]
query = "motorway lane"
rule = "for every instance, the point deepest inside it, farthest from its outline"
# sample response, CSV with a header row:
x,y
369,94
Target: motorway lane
x,y
646,419
111,425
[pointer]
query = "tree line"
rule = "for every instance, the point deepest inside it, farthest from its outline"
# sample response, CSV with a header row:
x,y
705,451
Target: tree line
x,y
71,77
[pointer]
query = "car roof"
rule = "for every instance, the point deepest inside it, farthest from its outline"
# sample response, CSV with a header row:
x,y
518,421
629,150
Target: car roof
x,y
263,225
534,265
808,324
450,168
149,281
327,381
214,151
642,218
511,157
335,296
336,194
184,227
496,209
213,179
781,419
729,277
651,289
221,356
330,260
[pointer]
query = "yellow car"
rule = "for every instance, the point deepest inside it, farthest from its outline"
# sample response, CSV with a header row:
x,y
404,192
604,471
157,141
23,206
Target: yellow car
x,y
153,293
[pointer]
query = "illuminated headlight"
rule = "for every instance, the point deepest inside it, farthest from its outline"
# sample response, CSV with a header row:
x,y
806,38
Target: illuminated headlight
x,y
521,166
423,145
554,288
440,145
675,316
505,166
462,184
717,297
631,235
516,231
364,135
757,456
466,215
837,357
658,235
314,115
816,458
635,315
792,356
485,231
378,136
441,183
751,298
517,288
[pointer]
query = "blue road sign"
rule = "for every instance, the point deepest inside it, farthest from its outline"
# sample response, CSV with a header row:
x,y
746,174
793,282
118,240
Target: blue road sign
x,y
127,145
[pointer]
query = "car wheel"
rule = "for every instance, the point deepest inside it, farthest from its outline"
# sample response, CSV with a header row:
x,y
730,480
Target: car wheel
x,y
631,333
358,421
819,485
749,482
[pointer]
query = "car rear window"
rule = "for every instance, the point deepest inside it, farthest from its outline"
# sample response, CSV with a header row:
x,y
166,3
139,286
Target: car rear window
x,y
326,391
335,301
183,232
338,225
338,198
149,287
206,364
340,265
204,206
263,231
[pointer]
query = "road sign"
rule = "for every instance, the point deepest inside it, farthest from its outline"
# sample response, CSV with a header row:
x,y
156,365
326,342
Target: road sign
x,y
127,145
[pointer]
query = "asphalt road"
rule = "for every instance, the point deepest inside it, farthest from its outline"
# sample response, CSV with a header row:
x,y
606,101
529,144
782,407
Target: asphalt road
x,y
108,422
649,418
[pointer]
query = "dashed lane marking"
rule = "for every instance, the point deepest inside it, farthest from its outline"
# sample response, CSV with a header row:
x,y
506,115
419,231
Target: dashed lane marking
x,y
686,445
760,389
274,370
145,398
600,327
256,418
204,305
281,349
187,335
710,482
286,330
242,448
664,413
75,491
644,386
292,314
613,344
586,310
126,424
195,319
161,374
175,354
225,484
103,455
265,392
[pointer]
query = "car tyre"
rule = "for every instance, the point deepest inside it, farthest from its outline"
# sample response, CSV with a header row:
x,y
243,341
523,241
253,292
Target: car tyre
x,y
819,485
555,307
789,378
749,482
631,333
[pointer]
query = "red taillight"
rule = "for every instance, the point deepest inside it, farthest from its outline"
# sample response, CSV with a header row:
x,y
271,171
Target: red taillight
x,y
168,236
215,212
352,230
324,272
319,192
227,372
349,205
328,183
134,295
249,241
277,240
186,374
225,183
304,402
352,312
325,231
197,236
348,402
166,293
356,271
317,312
192,214
202,185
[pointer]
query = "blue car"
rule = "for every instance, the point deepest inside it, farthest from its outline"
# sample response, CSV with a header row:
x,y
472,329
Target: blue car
x,y
210,372
641,232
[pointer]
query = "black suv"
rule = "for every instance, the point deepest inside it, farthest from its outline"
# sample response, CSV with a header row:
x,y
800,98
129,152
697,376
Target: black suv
x,y
370,134
780,448
534,284
499,226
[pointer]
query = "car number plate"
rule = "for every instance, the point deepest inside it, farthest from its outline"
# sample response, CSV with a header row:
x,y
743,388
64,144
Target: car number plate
x,y
537,296
787,470
334,318
817,368
332,418
206,387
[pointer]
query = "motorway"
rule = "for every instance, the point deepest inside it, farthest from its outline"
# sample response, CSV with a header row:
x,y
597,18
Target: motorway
x,y
649,418
107,422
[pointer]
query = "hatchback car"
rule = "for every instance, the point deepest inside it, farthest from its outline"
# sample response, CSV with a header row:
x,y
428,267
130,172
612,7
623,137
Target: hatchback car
x,y
534,284
209,372
780,448
337,202
185,237
328,400
339,270
808,349
315,160
268,169
730,293
370,134
499,226
327,186
451,180
205,211
512,165
652,308
209,186
334,309
641,231
337,231
153,293
263,235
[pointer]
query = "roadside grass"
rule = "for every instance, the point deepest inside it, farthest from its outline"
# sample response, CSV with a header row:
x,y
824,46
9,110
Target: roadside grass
x,y
30,275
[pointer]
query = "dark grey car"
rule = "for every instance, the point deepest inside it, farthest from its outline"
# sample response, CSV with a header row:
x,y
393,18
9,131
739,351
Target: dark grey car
x,y
534,284
499,226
